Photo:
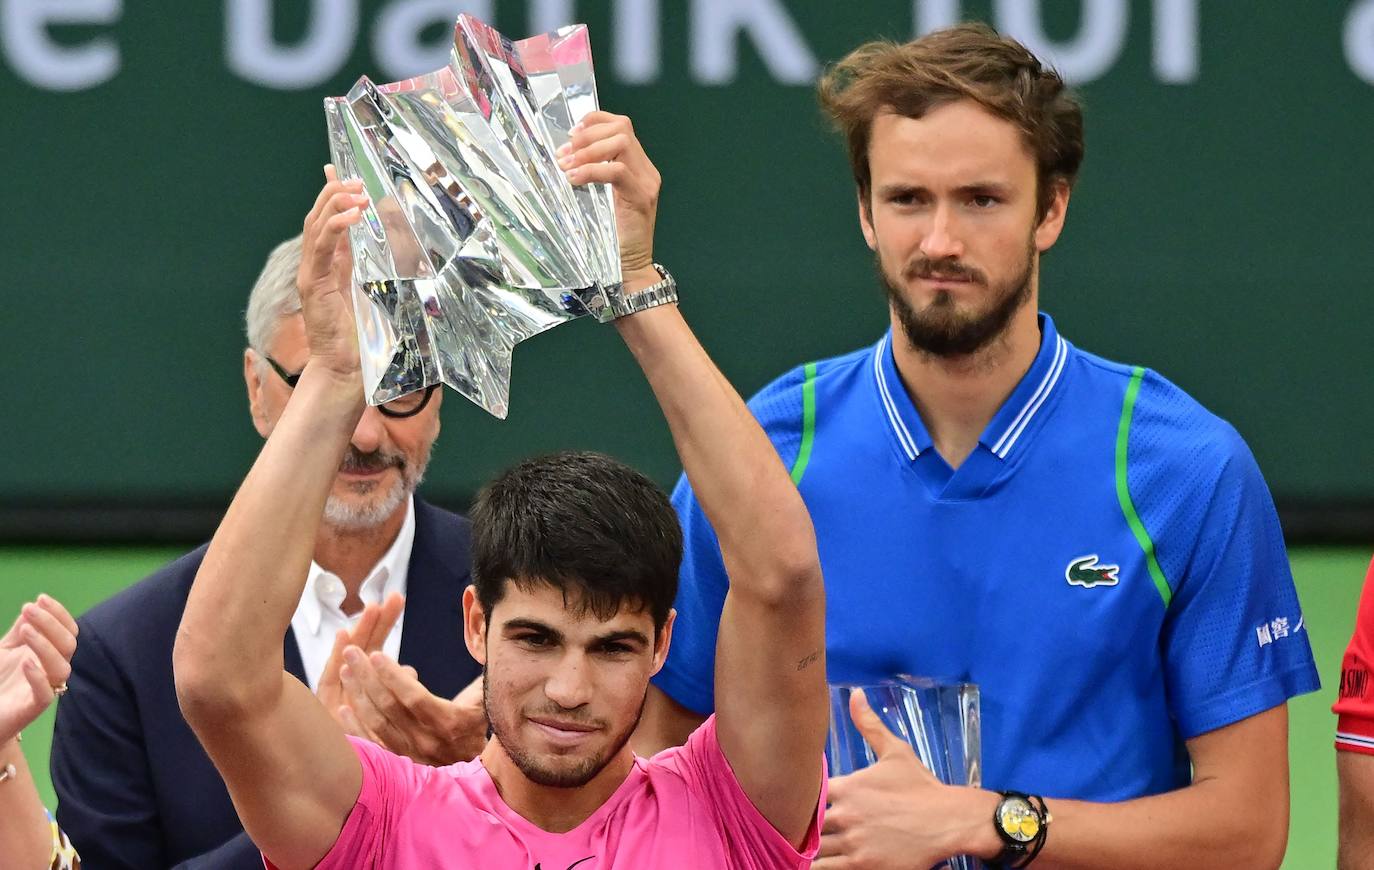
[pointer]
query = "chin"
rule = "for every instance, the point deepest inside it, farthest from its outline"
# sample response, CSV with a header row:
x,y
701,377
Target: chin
x,y
563,771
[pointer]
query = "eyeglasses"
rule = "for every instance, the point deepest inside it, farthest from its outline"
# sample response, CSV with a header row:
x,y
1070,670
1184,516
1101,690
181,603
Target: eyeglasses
x,y
405,406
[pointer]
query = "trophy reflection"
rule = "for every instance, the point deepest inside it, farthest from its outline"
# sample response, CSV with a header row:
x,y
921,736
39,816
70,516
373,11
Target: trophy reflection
x,y
939,720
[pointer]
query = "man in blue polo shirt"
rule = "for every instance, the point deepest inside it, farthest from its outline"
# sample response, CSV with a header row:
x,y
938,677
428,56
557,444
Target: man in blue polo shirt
x,y
1080,538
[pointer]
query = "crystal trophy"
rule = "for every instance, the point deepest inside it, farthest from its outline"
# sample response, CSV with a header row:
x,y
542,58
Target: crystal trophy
x,y
940,721
473,239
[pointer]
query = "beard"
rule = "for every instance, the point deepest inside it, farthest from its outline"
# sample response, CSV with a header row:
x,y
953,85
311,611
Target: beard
x,y
941,329
370,508
581,771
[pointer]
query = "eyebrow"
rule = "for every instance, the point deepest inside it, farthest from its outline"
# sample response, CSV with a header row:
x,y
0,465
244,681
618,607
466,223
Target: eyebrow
x,y
522,624
995,187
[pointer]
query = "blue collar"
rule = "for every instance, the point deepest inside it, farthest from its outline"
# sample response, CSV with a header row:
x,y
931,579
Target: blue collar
x,y
1007,425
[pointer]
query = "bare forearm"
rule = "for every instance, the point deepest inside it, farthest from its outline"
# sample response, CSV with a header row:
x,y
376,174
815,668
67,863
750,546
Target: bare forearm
x,y
1203,825
741,484
250,582
25,838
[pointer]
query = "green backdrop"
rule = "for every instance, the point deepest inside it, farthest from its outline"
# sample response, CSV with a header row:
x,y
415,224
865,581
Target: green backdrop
x,y
1219,233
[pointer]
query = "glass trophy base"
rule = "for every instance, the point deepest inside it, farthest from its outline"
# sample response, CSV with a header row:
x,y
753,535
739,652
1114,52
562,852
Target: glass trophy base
x,y
939,720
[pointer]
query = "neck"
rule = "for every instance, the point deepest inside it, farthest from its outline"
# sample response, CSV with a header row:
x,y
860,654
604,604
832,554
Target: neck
x,y
351,554
556,810
957,397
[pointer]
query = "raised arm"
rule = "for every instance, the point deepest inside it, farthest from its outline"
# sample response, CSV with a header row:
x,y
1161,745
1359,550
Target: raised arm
x,y
770,665
290,770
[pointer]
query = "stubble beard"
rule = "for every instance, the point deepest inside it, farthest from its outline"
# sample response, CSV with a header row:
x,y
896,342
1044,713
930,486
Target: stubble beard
x,y
364,514
940,329
577,776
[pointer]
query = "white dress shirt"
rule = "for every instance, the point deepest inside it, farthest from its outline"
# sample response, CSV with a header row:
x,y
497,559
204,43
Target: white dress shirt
x,y
319,616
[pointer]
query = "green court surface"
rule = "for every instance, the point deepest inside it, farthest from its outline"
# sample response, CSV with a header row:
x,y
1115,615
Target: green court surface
x,y
1328,582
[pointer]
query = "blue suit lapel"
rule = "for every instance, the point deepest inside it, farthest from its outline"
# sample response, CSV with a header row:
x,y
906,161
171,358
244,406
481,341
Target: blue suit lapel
x,y
432,628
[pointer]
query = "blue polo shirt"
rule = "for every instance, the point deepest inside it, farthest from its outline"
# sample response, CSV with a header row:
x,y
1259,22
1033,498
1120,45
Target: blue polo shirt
x,y
1107,565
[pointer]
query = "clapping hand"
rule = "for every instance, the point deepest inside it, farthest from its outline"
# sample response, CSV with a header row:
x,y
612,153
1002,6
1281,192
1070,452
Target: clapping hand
x,y
35,661
368,634
388,705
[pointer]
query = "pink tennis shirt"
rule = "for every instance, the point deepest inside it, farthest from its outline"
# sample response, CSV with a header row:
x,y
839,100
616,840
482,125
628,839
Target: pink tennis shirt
x,y
683,808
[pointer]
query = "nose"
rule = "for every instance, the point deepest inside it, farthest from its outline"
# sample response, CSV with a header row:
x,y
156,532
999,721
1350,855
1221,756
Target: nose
x,y
941,241
370,433
570,685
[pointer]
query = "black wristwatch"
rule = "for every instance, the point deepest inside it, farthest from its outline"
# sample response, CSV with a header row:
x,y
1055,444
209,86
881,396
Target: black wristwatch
x,y
1022,821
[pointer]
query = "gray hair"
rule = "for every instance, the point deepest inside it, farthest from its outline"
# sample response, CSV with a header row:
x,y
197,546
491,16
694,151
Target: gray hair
x,y
274,295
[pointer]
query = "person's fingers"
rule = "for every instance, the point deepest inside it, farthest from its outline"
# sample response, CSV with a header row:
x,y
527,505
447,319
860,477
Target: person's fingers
x,y
361,633
836,790
329,677
341,209
332,186
52,629
43,693
375,705
387,613
611,172
408,691
617,129
55,665
832,855
53,606
613,147
411,672
352,725
883,741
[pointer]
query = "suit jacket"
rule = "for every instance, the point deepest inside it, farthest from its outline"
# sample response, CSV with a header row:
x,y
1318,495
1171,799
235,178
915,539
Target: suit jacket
x,y
135,789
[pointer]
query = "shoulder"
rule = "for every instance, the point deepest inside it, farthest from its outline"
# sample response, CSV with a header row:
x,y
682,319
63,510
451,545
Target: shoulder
x,y
788,405
1173,437
434,518
142,613
443,539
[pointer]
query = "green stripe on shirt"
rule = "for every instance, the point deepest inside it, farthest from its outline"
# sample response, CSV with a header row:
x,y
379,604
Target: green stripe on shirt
x,y
808,422
1123,493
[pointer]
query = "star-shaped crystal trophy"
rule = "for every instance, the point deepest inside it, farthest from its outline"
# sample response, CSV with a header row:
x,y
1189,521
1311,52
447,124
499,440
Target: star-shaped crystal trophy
x,y
473,239
940,720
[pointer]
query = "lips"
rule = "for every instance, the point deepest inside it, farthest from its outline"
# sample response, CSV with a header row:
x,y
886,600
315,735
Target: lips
x,y
363,472
563,733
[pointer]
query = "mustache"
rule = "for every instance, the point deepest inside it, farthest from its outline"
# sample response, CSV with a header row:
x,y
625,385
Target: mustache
x,y
377,460
946,267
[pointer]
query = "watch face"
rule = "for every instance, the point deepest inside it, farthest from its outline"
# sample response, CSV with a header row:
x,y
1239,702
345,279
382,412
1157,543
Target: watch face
x,y
1018,819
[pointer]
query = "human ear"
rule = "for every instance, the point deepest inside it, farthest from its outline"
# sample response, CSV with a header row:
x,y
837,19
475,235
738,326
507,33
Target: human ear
x,y
1052,222
252,379
866,219
474,625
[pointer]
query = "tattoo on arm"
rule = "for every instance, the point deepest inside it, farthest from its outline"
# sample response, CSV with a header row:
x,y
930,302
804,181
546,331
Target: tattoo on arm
x,y
805,663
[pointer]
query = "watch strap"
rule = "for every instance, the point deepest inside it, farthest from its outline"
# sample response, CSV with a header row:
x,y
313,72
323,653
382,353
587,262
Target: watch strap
x,y
662,293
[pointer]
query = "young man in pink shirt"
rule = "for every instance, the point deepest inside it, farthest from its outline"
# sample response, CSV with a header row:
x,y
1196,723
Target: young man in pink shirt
x,y
575,561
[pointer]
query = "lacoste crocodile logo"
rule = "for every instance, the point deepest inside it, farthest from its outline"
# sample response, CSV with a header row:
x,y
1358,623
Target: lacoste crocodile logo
x,y
1084,571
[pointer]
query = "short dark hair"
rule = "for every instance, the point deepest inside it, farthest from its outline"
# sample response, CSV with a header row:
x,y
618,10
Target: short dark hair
x,y
968,61
583,523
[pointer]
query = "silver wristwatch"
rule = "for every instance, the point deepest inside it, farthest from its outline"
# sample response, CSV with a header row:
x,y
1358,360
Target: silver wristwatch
x,y
662,293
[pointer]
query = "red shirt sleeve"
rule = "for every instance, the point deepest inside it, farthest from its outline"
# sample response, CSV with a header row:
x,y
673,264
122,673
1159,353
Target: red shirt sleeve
x,y
1354,705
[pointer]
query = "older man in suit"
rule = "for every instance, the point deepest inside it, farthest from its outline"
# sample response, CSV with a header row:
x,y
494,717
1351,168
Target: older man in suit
x,y
135,788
